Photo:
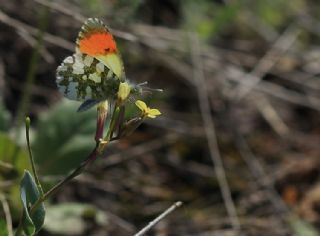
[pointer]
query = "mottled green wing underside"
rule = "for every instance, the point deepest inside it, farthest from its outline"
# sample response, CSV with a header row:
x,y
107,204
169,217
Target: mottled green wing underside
x,y
82,77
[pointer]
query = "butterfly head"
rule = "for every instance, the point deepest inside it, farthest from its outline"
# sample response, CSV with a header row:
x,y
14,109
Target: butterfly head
x,y
137,90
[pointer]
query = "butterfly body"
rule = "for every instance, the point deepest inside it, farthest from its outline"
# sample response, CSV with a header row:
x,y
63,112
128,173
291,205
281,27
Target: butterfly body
x,y
96,69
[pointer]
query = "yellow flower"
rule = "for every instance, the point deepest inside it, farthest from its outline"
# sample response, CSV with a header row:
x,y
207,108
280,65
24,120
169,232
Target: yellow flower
x,y
124,91
147,111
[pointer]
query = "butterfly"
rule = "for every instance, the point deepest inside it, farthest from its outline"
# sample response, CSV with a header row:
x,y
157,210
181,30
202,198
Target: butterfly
x,y
93,73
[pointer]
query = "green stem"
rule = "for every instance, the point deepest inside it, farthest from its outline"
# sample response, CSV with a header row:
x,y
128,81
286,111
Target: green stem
x,y
90,159
102,112
93,155
27,121
119,122
112,123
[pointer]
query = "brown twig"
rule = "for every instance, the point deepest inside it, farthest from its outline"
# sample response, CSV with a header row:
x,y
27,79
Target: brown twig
x,y
208,123
20,26
259,174
281,45
70,10
137,151
234,74
270,115
33,42
159,218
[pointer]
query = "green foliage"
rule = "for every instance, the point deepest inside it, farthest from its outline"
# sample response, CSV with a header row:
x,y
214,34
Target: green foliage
x,y
13,162
64,138
68,218
207,18
3,228
29,194
12,155
274,13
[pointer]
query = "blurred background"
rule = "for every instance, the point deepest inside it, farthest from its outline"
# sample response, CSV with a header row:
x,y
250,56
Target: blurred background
x,y
238,141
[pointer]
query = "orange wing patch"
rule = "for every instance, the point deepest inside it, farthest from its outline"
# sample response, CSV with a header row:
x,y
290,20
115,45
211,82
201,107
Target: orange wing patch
x,y
99,43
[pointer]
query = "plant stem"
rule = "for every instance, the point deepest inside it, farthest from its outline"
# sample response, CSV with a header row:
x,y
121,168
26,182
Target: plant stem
x,y
101,116
112,123
91,158
102,112
159,218
119,121
27,121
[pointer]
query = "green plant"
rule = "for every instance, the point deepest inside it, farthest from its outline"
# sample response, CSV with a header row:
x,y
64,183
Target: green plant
x,y
31,192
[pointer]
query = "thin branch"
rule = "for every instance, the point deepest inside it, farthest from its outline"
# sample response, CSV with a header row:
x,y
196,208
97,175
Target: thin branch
x,y
271,115
90,159
281,45
203,97
137,151
33,43
159,218
20,26
263,29
260,175
235,74
64,8
71,11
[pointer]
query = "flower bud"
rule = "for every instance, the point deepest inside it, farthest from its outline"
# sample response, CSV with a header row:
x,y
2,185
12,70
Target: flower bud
x,y
124,91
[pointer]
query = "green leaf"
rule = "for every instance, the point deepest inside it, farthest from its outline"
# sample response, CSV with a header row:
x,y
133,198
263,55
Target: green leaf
x,y
65,138
3,228
11,154
13,161
29,194
68,218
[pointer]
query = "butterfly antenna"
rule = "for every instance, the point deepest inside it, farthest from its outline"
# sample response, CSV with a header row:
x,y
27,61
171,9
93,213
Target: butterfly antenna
x,y
143,83
146,89
152,89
